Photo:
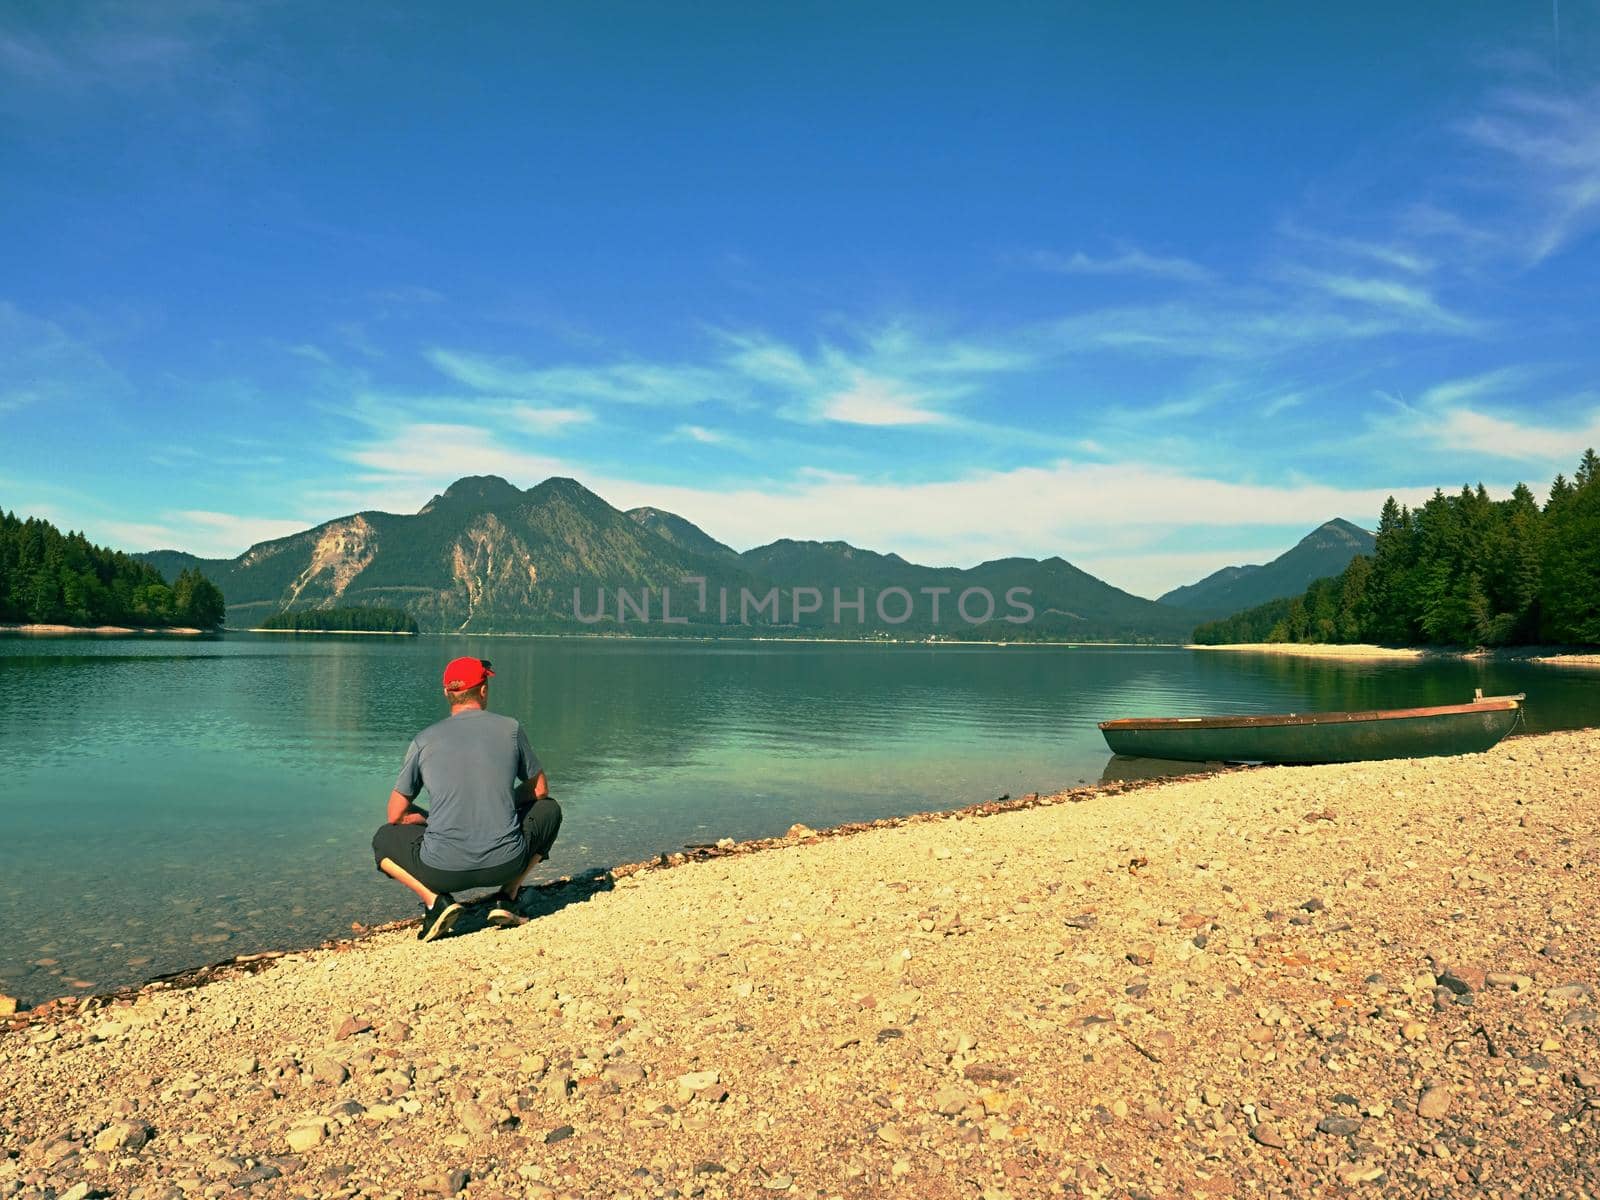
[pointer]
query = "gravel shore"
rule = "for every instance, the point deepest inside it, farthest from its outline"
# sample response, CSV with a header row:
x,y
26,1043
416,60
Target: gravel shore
x,y
1371,979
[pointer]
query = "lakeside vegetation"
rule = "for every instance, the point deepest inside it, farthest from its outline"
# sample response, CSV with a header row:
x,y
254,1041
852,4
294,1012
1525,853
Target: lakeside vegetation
x,y
353,619
1461,570
52,578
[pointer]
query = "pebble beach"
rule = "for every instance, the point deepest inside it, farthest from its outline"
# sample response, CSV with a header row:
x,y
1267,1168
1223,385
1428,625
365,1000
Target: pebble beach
x,y
1371,979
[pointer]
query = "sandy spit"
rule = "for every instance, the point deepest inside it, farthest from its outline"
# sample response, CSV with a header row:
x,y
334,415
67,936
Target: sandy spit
x,y
1371,979
1538,654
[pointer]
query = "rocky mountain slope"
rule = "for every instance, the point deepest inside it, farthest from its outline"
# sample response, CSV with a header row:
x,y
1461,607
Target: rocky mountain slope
x,y
1324,551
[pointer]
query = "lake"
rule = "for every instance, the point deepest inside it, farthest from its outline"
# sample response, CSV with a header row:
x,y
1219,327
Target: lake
x,y
171,802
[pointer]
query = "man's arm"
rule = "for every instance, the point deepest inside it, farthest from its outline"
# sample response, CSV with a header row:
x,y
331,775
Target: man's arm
x,y
403,812
533,789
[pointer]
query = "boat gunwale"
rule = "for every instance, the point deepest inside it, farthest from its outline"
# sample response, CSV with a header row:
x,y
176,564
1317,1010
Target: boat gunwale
x,y
1487,705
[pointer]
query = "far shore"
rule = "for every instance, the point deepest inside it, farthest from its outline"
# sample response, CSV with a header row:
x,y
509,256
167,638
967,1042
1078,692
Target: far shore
x,y
343,632
117,630
1555,656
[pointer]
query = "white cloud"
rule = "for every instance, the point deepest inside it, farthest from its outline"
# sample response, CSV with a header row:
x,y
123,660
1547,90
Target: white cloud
x,y
869,401
549,420
1129,261
1556,448
1070,508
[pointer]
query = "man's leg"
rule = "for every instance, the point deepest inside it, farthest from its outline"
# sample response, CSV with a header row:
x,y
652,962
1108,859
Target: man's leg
x,y
394,844
395,871
540,824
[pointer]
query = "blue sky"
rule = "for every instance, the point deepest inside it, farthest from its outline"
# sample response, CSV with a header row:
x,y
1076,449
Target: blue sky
x,y
1154,287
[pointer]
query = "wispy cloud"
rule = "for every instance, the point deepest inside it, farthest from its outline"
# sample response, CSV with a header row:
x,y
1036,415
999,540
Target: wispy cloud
x,y
702,436
1406,300
616,383
1552,142
208,534
1127,261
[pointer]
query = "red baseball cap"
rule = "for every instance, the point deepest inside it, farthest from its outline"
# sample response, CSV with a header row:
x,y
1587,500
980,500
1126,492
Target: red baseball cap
x,y
464,673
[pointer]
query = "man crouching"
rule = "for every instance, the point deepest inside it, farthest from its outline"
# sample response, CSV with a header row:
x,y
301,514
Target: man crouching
x,y
492,820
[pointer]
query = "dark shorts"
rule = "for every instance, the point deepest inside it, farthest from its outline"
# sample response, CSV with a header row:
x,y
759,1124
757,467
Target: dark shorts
x,y
402,845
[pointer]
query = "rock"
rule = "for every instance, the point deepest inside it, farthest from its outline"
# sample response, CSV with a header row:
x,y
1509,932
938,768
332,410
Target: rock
x,y
303,1137
951,1102
1143,954
122,1135
396,1031
559,1134
78,1191
624,1074
8,1004
1414,1031
798,830
1082,921
475,1119
1586,1079
1462,980
1339,1125
1315,904
1500,979
1359,1172
1267,1134
248,1065
1569,991
1580,1018
447,1183
1434,1102
695,1080
351,1026
329,1070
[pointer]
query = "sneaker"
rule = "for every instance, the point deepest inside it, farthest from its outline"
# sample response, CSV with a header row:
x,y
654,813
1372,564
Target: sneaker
x,y
437,920
503,911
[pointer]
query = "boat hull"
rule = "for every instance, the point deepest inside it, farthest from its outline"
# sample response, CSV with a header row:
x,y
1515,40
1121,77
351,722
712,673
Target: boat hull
x,y
1318,737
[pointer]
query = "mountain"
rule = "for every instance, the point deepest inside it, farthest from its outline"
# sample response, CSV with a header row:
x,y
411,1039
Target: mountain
x,y
681,533
1324,551
487,557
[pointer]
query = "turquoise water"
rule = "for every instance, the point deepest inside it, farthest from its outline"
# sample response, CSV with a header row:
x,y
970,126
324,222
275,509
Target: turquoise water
x,y
169,802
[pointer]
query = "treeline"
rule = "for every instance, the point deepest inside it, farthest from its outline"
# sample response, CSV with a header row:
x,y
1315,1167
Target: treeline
x,y
357,619
1461,570
52,578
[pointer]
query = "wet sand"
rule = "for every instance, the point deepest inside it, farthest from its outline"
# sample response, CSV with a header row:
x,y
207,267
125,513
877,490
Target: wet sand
x,y
1373,978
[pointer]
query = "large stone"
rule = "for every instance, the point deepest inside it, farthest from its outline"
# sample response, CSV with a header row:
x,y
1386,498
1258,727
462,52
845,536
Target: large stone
x,y
1462,980
303,1137
122,1135
1434,1102
1267,1134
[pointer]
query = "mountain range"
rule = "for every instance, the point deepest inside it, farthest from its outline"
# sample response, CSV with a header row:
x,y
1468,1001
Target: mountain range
x,y
487,557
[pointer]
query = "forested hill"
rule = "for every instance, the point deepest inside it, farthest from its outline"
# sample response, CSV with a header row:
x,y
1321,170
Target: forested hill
x,y
52,578
1461,570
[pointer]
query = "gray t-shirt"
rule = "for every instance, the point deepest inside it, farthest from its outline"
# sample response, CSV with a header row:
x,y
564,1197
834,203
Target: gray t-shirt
x,y
471,763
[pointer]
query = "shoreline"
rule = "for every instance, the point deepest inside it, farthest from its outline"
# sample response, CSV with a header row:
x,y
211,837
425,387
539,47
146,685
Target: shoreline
x,y
341,632
1555,656
103,630
201,974
1283,980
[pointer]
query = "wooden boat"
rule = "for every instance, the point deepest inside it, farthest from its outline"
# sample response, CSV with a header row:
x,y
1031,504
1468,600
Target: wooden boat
x,y
1320,737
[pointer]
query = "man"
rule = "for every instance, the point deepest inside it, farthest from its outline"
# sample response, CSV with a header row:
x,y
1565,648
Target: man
x,y
493,819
